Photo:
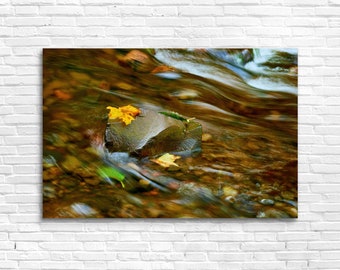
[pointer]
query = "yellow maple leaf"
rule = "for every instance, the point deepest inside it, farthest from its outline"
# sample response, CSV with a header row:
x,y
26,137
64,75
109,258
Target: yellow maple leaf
x,y
166,160
126,113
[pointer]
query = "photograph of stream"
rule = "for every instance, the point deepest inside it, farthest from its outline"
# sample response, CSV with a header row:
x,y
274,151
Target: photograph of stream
x,y
170,133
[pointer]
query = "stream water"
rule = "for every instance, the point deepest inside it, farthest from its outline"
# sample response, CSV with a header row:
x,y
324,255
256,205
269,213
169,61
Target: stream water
x,y
245,100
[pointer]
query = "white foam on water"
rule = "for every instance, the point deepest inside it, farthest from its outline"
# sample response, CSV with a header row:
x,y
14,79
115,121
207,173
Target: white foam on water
x,y
268,84
202,70
260,56
263,55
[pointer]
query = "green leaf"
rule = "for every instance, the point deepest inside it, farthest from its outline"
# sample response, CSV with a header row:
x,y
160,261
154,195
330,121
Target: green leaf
x,y
113,173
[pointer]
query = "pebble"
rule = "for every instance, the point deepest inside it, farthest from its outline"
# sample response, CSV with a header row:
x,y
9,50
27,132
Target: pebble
x,y
229,191
267,202
206,137
185,94
134,200
288,195
49,191
93,181
144,183
51,173
84,173
173,168
169,75
69,182
273,213
71,163
153,213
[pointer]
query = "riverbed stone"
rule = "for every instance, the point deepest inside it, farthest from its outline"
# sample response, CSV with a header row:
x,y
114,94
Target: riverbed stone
x,y
153,133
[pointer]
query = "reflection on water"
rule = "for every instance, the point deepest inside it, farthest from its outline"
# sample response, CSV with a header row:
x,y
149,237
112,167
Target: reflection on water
x,y
244,99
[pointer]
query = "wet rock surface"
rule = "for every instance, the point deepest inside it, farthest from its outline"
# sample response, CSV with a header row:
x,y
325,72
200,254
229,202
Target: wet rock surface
x,y
153,133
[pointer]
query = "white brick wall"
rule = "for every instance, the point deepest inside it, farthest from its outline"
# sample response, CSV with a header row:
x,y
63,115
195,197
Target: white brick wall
x,y
311,242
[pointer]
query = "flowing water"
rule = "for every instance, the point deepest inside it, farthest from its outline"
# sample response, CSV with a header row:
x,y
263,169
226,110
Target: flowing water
x,y
245,100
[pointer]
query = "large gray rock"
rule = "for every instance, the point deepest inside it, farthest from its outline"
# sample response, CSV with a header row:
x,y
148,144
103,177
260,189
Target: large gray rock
x,y
152,133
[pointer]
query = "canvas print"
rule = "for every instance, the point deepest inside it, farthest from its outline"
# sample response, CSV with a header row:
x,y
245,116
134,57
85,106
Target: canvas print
x,y
170,133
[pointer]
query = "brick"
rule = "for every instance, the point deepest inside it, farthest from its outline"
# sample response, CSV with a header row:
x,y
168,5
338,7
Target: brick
x,y
199,32
130,256
62,265
166,2
61,10
259,227
156,256
330,255
322,264
264,256
301,255
263,265
297,265
326,226
161,246
95,265
167,21
102,236
95,10
234,246
237,21
200,11
133,21
126,226
325,188
268,31
196,227
192,237
6,245
97,21
238,2
194,256
58,31
217,256
323,207
298,236
215,236
63,21
165,11
305,3
22,198
130,236
269,11
195,246
123,31
263,246
9,265
29,265
128,246
324,245
165,42
61,246
196,266
8,150
93,42
28,255
296,246
55,227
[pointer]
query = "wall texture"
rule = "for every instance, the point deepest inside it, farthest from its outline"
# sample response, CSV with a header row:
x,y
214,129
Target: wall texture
x,y
311,242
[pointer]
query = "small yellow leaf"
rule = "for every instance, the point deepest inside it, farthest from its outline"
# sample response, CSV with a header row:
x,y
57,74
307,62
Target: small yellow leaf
x,y
166,160
114,112
126,113
126,118
130,110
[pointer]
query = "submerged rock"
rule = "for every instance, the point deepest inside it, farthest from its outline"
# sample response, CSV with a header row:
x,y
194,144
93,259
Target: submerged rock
x,y
153,133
